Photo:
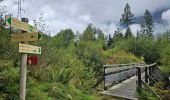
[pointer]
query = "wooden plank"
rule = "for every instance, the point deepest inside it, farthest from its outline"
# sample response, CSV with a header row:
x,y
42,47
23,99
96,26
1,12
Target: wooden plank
x,y
25,48
110,71
34,36
120,95
146,65
98,82
126,89
121,65
13,22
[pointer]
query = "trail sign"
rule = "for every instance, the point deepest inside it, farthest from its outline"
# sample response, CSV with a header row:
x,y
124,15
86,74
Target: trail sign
x,y
25,48
32,60
22,37
13,22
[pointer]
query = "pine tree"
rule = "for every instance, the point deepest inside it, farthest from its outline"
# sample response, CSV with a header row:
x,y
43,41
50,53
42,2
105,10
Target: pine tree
x,y
110,41
100,34
127,16
127,19
118,34
128,33
137,34
89,33
147,25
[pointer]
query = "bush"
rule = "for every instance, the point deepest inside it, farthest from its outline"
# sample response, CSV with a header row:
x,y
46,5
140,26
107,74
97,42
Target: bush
x,y
9,79
117,56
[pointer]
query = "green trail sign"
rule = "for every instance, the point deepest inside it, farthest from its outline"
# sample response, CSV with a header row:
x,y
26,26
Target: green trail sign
x,y
25,48
13,22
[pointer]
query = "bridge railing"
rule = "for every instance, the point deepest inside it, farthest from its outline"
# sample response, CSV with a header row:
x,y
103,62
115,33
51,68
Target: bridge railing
x,y
127,70
148,70
123,71
116,73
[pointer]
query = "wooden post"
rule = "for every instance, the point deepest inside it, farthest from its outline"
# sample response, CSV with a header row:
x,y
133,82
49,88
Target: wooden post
x,y
146,74
23,72
150,74
104,79
150,71
139,80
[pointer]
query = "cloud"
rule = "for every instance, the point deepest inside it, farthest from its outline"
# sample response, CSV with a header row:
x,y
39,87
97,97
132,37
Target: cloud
x,y
164,26
166,16
108,28
134,28
160,28
76,14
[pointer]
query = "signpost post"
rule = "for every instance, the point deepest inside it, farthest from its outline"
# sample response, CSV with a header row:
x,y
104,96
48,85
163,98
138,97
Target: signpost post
x,y
23,72
24,47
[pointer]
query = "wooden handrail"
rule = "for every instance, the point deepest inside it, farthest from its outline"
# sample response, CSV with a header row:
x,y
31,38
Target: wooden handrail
x,y
118,69
121,65
146,65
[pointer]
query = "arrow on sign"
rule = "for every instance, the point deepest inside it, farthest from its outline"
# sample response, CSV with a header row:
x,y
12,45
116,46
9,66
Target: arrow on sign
x,y
25,48
40,36
13,22
9,19
34,36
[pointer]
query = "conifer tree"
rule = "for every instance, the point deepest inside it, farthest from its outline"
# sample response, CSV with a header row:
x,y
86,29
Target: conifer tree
x,y
147,25
127,19
127,16
128,33
110,41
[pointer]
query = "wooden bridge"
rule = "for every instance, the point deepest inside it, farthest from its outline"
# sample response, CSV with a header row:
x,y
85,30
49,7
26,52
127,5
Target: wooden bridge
x,y
127,80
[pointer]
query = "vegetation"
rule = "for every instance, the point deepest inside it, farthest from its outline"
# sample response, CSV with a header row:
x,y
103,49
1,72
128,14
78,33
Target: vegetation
x,y
70,64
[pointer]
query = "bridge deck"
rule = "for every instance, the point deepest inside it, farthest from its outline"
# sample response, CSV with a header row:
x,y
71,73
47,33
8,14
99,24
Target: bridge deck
x,y
126,89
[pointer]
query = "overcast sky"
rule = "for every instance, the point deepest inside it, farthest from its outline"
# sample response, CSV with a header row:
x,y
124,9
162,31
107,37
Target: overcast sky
x,y
76,14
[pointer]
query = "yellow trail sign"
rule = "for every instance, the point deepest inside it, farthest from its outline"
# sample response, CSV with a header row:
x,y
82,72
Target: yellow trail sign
x,y
23,37
13,22
25,48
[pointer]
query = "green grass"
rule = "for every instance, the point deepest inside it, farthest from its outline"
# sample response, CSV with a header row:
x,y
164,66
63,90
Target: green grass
x,y
43,90
165,69
116,56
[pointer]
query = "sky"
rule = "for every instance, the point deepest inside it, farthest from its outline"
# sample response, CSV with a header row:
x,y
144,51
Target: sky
x,y
103,14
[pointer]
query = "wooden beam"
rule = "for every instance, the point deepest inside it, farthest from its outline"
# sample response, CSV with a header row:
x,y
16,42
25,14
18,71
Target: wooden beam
x,y
117,69
98,82
120,65
139,80
154,81
146,74
150,89
105,88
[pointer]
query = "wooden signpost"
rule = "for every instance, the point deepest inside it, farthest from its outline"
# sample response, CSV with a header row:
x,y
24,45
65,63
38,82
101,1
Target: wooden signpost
x,y
22,37
15,23
25,48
